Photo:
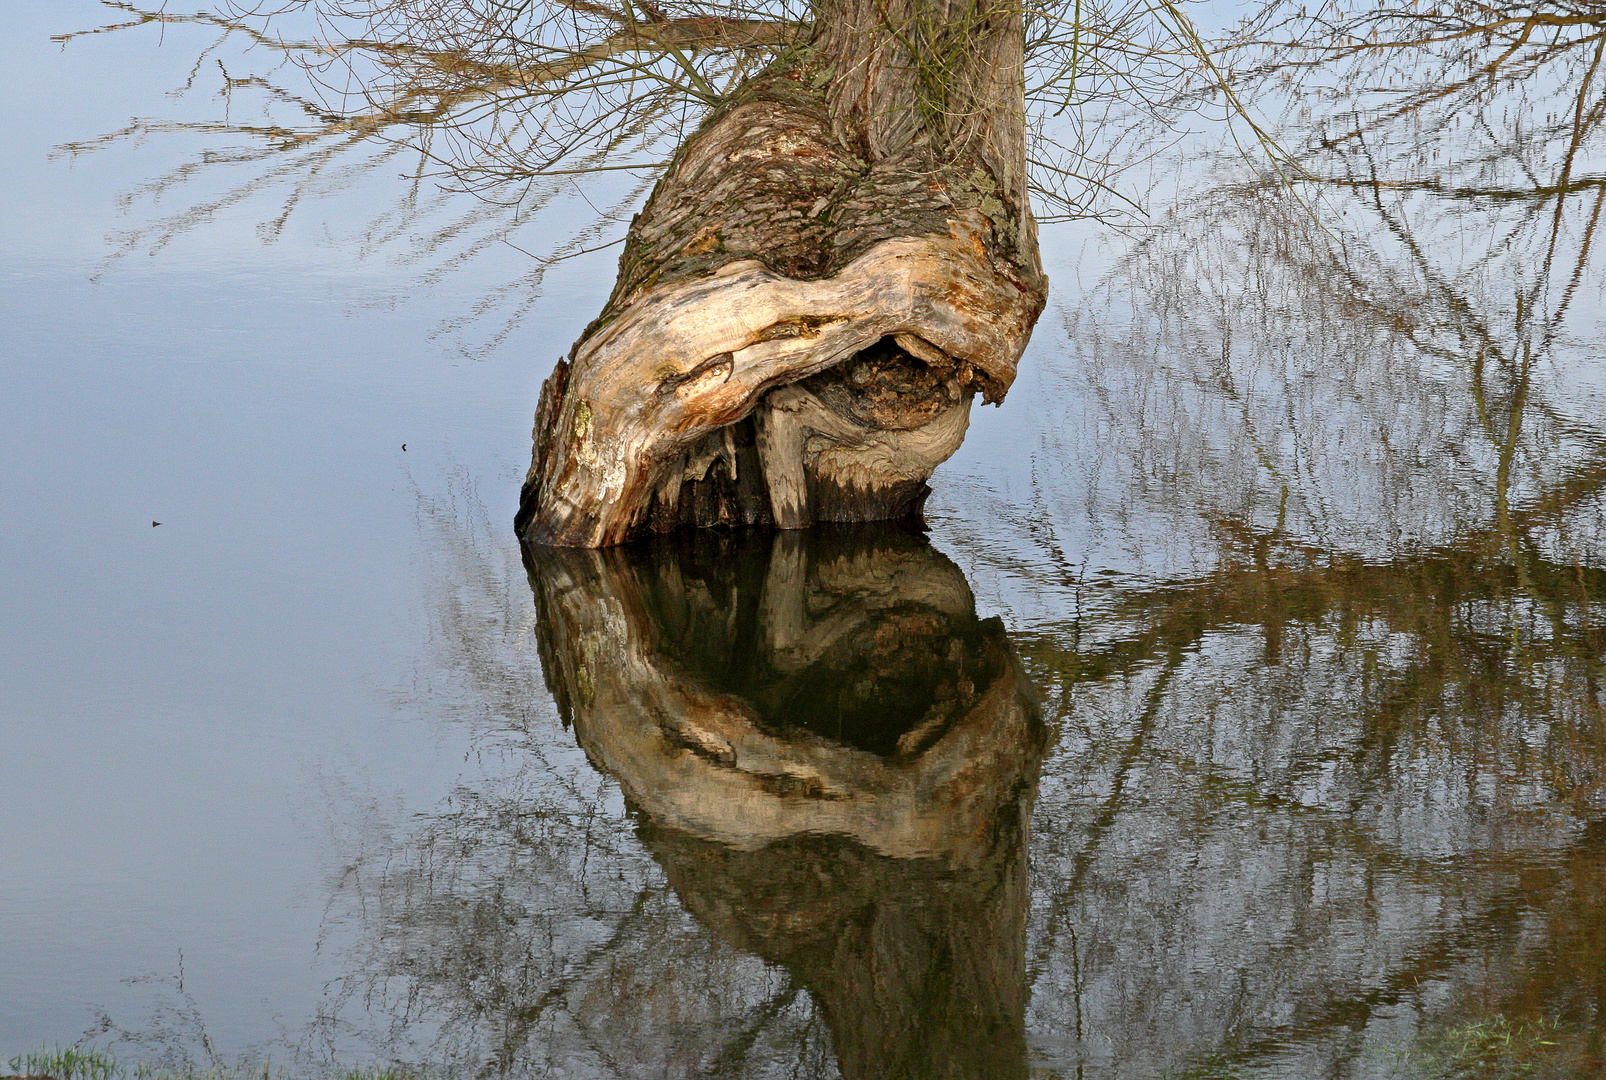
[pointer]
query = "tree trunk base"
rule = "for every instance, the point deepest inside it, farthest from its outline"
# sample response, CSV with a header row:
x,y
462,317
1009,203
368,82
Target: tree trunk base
x,y
796,336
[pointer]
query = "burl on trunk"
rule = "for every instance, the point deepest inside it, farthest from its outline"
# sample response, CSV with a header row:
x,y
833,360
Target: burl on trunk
x,y
830,270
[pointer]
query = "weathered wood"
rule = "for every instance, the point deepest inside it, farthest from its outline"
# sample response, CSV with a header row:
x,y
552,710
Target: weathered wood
x,y
825,276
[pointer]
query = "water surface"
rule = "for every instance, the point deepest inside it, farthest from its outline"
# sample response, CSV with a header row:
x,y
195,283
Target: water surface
x,y
1240,714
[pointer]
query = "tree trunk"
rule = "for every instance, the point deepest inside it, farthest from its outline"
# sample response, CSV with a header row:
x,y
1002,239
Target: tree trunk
x,y
832,267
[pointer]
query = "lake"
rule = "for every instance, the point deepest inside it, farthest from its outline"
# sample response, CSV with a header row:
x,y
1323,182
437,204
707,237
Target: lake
x,y
1241,711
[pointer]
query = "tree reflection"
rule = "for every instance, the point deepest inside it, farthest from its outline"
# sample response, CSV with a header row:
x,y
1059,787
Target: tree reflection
x,y
833,761
1297,814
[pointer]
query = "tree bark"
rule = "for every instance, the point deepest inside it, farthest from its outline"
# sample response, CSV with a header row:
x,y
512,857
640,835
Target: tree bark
x,y
831,268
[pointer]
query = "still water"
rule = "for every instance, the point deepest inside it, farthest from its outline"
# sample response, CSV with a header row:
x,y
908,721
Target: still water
x,y
1240,714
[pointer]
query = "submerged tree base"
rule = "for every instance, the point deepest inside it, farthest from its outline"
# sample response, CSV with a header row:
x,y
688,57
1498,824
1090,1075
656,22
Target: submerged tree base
x,y
798,330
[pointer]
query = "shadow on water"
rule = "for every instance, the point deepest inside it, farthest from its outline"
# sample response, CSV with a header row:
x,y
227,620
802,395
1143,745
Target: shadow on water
x,y
834,762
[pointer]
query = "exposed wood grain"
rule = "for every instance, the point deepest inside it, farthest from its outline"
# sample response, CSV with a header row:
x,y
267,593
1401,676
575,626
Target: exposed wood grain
x,y
781,245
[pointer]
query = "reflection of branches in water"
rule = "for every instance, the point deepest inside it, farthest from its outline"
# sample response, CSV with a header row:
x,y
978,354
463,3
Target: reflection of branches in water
x,y
1300,795
1294,802
482,620
1470,134
1403,60
1349,389
1484,110
1330,785
1289,802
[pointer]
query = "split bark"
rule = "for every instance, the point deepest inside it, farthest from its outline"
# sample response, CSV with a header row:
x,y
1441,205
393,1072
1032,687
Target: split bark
x,y
830,270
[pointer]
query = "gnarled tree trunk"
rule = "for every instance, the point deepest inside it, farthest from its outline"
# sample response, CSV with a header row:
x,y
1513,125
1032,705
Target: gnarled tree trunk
x,y
829,271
